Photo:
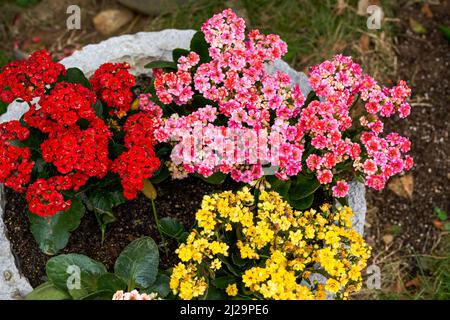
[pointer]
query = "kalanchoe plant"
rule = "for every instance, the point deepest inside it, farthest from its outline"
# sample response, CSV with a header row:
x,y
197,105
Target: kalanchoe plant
x,y
260,248
225,114
77,277
80,143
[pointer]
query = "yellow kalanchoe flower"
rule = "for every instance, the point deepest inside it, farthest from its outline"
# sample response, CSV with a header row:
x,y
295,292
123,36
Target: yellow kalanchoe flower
x,y
285,247
232,290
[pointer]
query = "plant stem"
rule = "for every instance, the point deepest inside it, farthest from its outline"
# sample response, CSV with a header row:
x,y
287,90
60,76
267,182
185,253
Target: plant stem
x,y
155,215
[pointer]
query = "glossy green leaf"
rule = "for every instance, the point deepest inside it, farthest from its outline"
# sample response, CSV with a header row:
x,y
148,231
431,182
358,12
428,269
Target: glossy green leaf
x,y
200,46
172,227
138,263
48,291
215,178
75,273
3,107
178,52
303,187
52,233
223,282
280,186
302,204
160,286
75,75
161,64
98,108
111,282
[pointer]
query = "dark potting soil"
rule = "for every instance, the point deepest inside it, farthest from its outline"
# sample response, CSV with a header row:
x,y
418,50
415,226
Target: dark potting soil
x,y
178,199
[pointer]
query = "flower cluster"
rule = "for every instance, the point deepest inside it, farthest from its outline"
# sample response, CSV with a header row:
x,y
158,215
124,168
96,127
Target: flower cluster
x,y
45,198
70,140
134,295
246,95
15,162
28,79
139,161
280,249
340,82
176,87
113,83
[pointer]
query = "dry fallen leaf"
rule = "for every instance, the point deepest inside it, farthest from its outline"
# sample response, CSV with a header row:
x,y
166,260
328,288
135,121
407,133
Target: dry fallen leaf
x,y
426,10
438,224
340,7
149,190
413,283
364,42
402,186
362,7
416,27
388,238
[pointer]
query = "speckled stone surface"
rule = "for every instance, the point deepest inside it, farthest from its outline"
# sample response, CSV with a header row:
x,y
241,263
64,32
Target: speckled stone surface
x,y
138,50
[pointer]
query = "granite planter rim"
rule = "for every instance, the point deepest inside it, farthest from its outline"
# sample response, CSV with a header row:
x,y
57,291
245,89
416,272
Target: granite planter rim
x,y
137,49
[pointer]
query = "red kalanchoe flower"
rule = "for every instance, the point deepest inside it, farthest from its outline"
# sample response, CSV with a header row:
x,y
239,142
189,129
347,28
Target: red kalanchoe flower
x,y
140,129
15,162
44,198
27,79
68,102
84,151
13,130
134,166
113,82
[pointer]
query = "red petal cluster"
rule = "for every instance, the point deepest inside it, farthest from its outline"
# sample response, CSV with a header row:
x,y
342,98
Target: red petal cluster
x,y
44,198
113,82
133,166
15,162
140,161
28,78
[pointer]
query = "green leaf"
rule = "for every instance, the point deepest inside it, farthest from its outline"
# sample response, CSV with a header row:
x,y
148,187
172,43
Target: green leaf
x,y
303,203
441,214
172,227
98,295
98,108
446,32
111,282
75,273
303,187
447,226
223,282
160,286
3,107
75,75
48,291
200,46
52,233
161,64
103,201
160,175
215,294
215,178
178,52
237,259
138,263
280,186
342,201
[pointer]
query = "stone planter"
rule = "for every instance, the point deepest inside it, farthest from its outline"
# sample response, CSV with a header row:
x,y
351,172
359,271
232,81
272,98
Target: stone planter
x,y
138,50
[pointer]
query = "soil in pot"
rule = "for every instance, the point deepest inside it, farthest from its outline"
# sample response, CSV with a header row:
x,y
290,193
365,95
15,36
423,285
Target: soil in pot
x,y
178,199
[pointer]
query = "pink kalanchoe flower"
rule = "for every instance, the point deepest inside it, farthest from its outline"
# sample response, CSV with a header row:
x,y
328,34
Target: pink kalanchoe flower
x,y
340,190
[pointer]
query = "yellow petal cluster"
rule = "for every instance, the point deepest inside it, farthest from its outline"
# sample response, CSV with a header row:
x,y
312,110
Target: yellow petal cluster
x,y
282,248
